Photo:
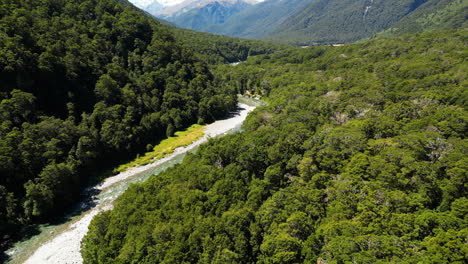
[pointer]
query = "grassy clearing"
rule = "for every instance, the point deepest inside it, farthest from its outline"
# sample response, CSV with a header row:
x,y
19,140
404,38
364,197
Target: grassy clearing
x,y
166,147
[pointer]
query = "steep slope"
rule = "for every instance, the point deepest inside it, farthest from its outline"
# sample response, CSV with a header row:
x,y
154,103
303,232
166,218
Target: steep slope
x,y
177,8
143,3
341,21
432,15
180,8
260,19
85,84
213,13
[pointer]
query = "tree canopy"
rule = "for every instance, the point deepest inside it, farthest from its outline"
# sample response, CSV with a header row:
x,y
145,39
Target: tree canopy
x,y
84,85
359,157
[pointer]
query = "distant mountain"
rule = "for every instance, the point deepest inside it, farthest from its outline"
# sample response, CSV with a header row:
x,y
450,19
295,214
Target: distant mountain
x,y
170,9
259,20
173,11
213,13
341,21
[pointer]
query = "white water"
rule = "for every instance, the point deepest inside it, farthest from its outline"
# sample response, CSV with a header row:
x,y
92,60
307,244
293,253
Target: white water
x,y
62,243
367,9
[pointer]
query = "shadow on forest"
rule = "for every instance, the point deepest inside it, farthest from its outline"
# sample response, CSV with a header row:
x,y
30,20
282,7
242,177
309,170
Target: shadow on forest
x,y
86,202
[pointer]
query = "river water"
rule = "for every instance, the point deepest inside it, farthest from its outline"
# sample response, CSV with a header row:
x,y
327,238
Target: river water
x,y
60,243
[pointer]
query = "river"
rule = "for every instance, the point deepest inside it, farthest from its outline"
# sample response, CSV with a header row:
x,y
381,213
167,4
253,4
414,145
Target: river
x,y
60,243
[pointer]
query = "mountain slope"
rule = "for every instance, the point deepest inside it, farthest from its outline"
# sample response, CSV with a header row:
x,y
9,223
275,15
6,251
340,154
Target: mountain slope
x,y
154,7
432,15
180,8
260,19
213,13
216,49
342,21
308,22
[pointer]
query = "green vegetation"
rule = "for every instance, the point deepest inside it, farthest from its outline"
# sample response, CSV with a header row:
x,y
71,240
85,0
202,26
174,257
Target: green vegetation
x,y
215,49
302,22
84,85
432,15
166,147
360,156
211,14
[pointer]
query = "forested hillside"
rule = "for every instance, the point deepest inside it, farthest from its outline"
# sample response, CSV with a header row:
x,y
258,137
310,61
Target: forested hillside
x,y
432,15
341,21
216,49
259,20
85,84
360,156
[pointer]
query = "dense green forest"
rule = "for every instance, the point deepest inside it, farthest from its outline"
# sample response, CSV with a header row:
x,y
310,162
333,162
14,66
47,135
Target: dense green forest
x,y
84,85
216,49
360,156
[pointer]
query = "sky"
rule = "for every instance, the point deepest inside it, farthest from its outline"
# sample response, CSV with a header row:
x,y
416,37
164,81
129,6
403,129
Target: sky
x,y
144,3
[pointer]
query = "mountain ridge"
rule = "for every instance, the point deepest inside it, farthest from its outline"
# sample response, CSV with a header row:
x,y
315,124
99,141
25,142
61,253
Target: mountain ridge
x,y
432,15
209,15
259,20
342,21
315,22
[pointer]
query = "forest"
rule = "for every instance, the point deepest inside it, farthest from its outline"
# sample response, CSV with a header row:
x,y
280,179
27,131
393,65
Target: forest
x,y
341,21
346,21
86,85
432,15
359,156
217,49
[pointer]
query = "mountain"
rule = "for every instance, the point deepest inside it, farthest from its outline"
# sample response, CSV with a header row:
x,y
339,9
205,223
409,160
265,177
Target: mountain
x,y
143,3
432,15
342,21
260,19
154,7
211,14
175,10
195,14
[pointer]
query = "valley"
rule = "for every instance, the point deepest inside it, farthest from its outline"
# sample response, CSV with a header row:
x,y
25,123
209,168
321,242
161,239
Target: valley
x,y
288,132
360,155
